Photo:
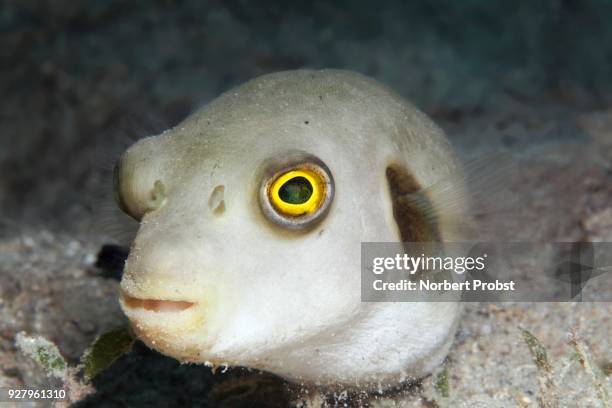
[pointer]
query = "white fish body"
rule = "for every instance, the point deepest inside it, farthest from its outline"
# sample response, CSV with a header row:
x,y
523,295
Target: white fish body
x,y
214,277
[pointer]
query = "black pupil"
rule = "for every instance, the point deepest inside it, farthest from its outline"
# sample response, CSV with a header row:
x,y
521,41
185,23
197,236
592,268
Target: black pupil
x,y
295,191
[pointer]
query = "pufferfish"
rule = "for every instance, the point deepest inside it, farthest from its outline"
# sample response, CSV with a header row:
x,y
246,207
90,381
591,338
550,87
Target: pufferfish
x,y
252,213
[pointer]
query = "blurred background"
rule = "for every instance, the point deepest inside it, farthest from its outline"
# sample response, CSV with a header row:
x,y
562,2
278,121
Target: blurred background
x,y
79,80
77,75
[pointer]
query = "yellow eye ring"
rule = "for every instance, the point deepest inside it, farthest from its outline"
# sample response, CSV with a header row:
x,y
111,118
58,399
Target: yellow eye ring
x,y
298,192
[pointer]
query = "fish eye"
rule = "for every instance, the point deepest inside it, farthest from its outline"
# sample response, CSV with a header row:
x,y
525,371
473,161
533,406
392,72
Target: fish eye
x,y
298,195
297,192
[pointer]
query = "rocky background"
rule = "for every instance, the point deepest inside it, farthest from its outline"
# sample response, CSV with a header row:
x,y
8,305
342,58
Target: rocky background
x,y
81,79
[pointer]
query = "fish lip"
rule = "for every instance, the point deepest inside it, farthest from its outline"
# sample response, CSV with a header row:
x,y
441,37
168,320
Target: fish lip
x,y
154,304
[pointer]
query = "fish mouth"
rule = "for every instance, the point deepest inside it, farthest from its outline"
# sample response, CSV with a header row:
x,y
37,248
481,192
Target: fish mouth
x,y
175,327
155,305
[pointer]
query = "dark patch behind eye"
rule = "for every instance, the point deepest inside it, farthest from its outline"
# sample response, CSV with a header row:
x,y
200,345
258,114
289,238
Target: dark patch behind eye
x,y
411,207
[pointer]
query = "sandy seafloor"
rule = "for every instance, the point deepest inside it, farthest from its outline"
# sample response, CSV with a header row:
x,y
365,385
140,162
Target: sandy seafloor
x,y
77,82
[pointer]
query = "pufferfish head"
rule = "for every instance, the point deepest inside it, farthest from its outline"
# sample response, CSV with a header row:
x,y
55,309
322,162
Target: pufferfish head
x,y
253,210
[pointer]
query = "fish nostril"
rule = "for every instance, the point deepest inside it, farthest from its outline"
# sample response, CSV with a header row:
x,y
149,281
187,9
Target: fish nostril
x,y
215,202
157,196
